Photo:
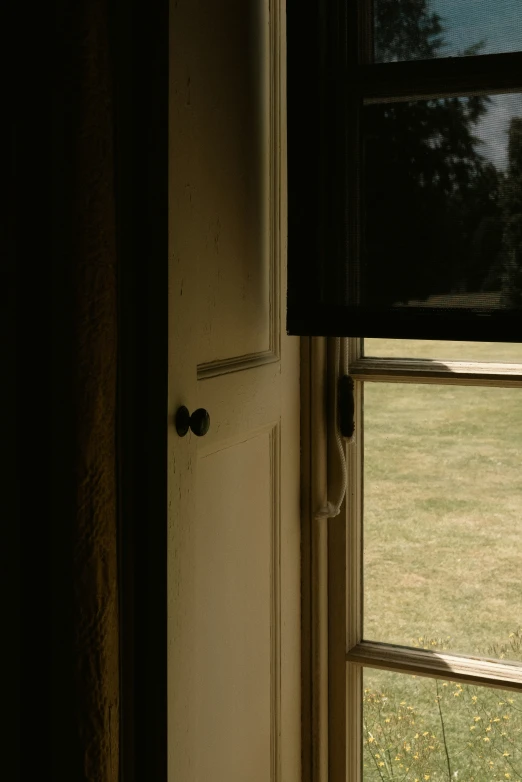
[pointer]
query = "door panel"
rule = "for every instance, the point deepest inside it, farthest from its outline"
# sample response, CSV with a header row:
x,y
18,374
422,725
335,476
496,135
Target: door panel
x,y
234,527
221,115
234,578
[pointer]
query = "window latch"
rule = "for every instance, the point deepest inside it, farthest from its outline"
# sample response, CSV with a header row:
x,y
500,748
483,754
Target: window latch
x,y
346,406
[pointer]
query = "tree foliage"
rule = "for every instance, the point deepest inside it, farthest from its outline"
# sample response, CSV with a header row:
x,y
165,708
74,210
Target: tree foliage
x,y
512,213
406,30
434,207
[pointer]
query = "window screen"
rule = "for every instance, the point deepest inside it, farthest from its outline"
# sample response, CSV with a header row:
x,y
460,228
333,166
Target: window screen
x,y
405,169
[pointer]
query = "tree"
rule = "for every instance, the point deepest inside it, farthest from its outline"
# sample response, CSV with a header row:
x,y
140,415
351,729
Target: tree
x,y
406,30
432,217
512,207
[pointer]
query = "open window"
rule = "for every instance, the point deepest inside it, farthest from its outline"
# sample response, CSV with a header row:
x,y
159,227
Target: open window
x,y
405,240
405,169
433,562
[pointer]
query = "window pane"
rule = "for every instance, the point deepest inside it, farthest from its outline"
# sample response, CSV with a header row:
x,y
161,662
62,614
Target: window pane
x,y
425,29
423,729
443,517
507,352
442,194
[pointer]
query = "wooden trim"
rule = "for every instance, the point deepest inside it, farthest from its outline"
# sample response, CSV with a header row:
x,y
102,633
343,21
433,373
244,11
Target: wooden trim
x,y
354,559
275,605
354,509
306,562
314,562
398,81
236,364
439,665
354,723
319,562
277,188
337,594
440,372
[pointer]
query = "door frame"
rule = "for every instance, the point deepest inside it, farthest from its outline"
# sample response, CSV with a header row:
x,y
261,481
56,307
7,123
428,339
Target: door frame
x,y
140,49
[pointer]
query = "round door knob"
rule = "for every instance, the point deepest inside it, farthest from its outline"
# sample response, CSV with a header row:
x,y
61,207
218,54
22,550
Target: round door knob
x,y
198,422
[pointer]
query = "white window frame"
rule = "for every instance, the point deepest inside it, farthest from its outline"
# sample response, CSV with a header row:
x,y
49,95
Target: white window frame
x,y
335,554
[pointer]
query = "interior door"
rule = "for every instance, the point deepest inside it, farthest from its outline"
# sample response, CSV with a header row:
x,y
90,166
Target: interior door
x,y
233,540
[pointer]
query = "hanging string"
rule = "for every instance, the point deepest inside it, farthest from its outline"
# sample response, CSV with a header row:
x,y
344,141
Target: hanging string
x,y
332,509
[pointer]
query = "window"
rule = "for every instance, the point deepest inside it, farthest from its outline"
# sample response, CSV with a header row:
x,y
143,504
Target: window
x,y
405,238
425,553
405,169
433,563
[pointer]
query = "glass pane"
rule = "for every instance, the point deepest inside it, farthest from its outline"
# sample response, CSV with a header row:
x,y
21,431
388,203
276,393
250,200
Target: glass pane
x,y
443,517
507,352
442,194
424,730
425,29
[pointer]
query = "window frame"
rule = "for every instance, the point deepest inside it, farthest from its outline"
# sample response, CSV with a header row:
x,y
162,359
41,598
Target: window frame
x,y
333,650
330,68
344,561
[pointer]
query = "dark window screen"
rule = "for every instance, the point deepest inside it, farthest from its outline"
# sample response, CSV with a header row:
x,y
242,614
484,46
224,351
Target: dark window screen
x,y
424,29
442,205
405,169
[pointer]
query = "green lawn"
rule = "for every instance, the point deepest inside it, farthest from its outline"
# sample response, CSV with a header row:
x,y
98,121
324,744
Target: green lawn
x,y
443,564
505,352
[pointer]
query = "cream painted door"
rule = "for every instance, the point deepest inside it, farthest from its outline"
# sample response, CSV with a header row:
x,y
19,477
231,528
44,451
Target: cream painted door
x,y
234,543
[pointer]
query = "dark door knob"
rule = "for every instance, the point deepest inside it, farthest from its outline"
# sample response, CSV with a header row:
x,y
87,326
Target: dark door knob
x,y
198,422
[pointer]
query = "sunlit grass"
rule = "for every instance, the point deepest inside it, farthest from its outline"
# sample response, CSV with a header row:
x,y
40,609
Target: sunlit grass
x,y
443,563
442,513
419,729
503,352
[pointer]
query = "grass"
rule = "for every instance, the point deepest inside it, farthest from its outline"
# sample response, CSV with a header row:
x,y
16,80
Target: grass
x,y
419,729
504,352
442,555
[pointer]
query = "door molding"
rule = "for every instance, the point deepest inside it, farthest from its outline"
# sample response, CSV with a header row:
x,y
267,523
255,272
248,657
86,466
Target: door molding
x,y
276,148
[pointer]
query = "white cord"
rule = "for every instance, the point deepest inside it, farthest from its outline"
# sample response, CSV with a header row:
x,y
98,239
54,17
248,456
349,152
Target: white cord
x,y
333,509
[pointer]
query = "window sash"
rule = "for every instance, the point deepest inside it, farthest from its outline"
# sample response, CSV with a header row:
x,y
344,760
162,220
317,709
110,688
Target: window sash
x,y
485,74
439,665
330,79
474,670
